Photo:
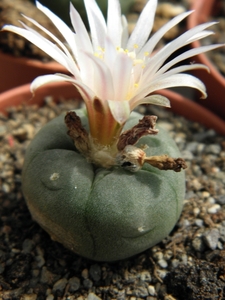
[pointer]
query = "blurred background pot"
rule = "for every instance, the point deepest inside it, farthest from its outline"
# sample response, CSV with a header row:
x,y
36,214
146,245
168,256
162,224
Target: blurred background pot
x,y
214,81
16,71
179,104
20,61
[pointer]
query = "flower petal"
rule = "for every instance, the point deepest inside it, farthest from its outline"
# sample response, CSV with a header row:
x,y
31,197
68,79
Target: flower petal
x,y
84,90
46,79
45,45
174,80
187,54
110,53
97,24
125,33
120,110
114,26
121,73
103,81
82,37
144,25
60,25
152,99
152,42
156,61
181,69
48,33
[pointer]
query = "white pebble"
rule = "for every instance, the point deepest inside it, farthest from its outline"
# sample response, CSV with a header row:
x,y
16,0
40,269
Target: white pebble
x,y
175,262
151,290
158,255
184,259
211,200
205,194
162,263
214,209
196,211
199,222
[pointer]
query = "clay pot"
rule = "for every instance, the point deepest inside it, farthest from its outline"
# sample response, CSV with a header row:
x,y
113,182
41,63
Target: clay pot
x,y
179,104
214,81
16,71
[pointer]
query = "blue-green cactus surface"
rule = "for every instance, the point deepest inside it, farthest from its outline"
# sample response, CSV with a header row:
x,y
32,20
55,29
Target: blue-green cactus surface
x,y
100,214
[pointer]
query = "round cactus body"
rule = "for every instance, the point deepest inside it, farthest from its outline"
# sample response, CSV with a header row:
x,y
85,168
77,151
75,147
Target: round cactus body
x,y
101,214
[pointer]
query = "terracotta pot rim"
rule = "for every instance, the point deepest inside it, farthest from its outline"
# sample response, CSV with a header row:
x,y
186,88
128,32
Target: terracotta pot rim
x,y
50,66
179,104
201,13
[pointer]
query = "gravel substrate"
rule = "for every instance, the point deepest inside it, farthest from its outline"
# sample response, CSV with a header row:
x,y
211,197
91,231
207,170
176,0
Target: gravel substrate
x,y
188,264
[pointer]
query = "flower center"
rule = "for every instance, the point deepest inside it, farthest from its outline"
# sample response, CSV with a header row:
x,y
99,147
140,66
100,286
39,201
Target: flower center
x,y
138,64
100,53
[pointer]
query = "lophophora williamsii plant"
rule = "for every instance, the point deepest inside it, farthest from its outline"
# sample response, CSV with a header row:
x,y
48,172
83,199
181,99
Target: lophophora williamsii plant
x,y
105,181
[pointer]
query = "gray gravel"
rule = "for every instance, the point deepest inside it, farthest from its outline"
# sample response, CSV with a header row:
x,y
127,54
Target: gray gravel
x,y
34,267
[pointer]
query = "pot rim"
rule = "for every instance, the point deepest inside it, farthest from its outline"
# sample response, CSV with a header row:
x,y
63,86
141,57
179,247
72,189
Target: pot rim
x,y
202,11
50,66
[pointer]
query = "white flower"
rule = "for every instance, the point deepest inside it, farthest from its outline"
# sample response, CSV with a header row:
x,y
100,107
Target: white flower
x,y
115,72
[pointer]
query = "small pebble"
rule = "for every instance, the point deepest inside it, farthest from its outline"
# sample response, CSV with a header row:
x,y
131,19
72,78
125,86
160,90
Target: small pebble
x,y
213,149
60,285
92,296
74,284
95,272
162,263
145,276
214,209
196,211
192,146
187,155
151,290
198,244
175,262
211,238
158,255
87,283
220,199
40,261
168,254
184,259
27,245
85,273
141,291
199,222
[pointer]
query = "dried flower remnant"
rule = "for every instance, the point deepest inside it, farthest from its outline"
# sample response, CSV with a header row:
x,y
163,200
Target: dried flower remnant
x,y
145,126
133,159
115,72
129,157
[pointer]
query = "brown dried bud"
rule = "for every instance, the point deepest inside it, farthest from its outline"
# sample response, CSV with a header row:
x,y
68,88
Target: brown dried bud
x,y
144,127
77,132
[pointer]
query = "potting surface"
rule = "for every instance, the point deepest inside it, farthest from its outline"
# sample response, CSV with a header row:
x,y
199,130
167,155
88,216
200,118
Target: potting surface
x,y
188,264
